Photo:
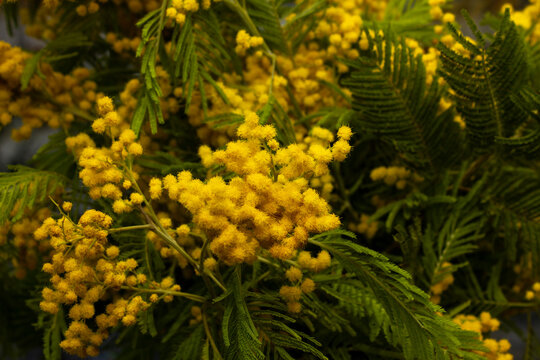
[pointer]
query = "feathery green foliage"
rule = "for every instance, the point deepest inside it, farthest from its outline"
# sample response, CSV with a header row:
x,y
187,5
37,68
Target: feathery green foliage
x,y
483,83
58,49
515,199
23,188
359,302
152,25
191,347
267,15
54,157
409,18
302,20
195,58
414,324
199,56
391,100
240,336
52,337
281,330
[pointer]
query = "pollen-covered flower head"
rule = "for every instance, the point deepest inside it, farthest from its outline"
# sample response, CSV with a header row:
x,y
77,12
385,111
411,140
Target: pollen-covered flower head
x,y
267,203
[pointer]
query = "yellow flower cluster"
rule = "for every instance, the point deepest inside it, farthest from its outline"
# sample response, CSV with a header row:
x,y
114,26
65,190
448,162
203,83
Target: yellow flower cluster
x,y
244,41
323,137
373,8
165,286
128,102
76,144
267,203
369,229
438,288
102,174
306,71
102,168
534,293
429,57
437,12
180,235
69,94
451,43
342,26
459,120
139,6
180,8
20,234
43,23
314,264
83,268
123,45
525,275
498,350
115,122
92,6
86,9
196,312
324,184
292,294
252,95
394,175
528,18
11,64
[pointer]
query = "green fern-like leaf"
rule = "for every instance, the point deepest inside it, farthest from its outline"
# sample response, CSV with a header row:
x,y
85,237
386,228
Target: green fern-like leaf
x,y
198,57
59,48
391,100
360,303
52,337
409,18
148,106
266,16
23,188
453,238
191,347
146,323
483,83
54,156
515,200
526,138
303,21
275,325
11,13
240,336
415,326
